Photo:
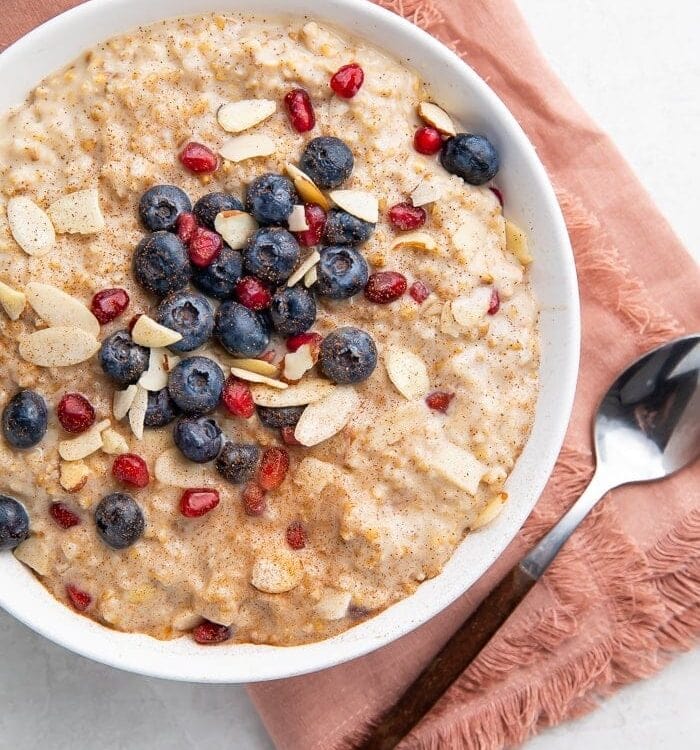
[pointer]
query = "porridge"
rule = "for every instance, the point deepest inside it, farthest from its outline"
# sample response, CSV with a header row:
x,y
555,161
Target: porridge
x,y
269,342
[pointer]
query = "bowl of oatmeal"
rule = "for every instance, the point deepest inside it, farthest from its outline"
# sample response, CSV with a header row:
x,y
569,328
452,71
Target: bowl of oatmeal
x,y
290,333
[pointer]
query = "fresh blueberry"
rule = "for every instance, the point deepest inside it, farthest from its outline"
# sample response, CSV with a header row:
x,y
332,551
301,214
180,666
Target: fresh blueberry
x,y
160,206
241,331
25,419
292,310
343,228
237,462
327,161
271,254
471,157
190,314
219,279
161,409
195,385
198,438
208,206
122,359
119,520
14,523
348,355
279,416
270,198
341,272
161,263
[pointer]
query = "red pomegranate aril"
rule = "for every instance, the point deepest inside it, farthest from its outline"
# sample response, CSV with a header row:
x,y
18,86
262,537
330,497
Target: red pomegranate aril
x,y
195,503
204,247
405,216
316,220
63,515
274,466
132,322
198,158
75,413
300,110
427,140
109,304
494,303
296,535
254,503
439,400
131,469
310,337
186,224
252,293
81,600
207,633
385,286
498,194
287,435
419,291
237,398
346,81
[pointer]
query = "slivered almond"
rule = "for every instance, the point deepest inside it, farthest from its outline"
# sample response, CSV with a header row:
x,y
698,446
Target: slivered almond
x,y
327,417
306,187
244,147
310,277
469,310
256,377
238,116
304,268
30,226
490,512
113,443
417,240
407,372
428,191
276,573
173,470
516,243
60,309
148,333
257,365
137,412
122,402
437,117
297,363
34,552
84,445
333,604
58,347
297,220
73,475
235,227
299,394
155,378
77,213
359,203
12,301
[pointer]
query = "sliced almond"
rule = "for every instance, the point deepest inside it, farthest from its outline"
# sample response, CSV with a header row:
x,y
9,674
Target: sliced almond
x,y
30,226
12,301
429,190
333,604
448,325
358,203
327,417
235,227
277,573
299,394
73,475
186,620
310,277
491,511
148,333
113,443
34,552
58,347
417,240
259,366
516,243
155,378
77,213
297,220
297,363
137,412
306,187
256,377
173,470
407,372
437,117
304,268
469,310
122,402
236,117
454,464
244,147
84,445
60,309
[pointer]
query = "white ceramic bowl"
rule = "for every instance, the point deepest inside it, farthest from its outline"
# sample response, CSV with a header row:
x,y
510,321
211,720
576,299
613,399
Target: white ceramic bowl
x,y
531,203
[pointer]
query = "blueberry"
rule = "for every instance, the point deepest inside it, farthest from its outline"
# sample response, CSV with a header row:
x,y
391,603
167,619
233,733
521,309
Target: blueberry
x,y
327,161
160,206
195,385
161,263
292,310
219,279
343,228
237,462
348,355
208,206
25,419
119,520
14,523
198,438
270,198
271,254
241,331
472,157
341,272
122,359
190,314
161,409
280,416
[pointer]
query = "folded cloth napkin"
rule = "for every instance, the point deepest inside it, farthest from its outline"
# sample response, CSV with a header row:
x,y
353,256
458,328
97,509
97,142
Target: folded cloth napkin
x,y
625,591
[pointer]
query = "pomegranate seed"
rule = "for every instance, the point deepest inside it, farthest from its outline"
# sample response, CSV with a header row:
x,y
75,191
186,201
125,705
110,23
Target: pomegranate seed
x,y
385,286
132,322
439,400
427,140
63,515
109,304
273,468
198,158
268,356
310,337
316,220
296,536
131,469
252,293
196,503
494,303
300,109
75,413
498,194
287,435
405,216
419,291
346,81
204,247
81,600
207,633
254,502
186,224
238,398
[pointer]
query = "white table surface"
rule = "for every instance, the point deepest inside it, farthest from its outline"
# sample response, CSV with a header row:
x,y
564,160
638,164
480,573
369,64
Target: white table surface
x,y
634,65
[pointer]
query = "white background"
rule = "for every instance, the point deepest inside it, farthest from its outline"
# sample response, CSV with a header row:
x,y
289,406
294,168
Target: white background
x,y
635,66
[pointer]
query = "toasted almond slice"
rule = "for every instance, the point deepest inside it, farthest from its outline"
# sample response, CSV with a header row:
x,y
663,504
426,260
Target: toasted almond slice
x,y
137,412
297,220
417,240
277,573
148,333
30,226
85,444
236,117
113,443
491,511
358,203
297,363
437,117
333,604
235,227
306,187
454,464
407,372
73,475
12,301
310,277
327,417
429,190
34,552
155,378
469,310
58,347
448,324
244,147
299,394
256,377
173,470
259,366
60,309
516,243
77,213
122,401
304,268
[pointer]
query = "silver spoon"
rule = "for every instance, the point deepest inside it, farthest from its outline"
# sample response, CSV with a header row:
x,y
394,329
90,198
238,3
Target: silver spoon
x,y
647,427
